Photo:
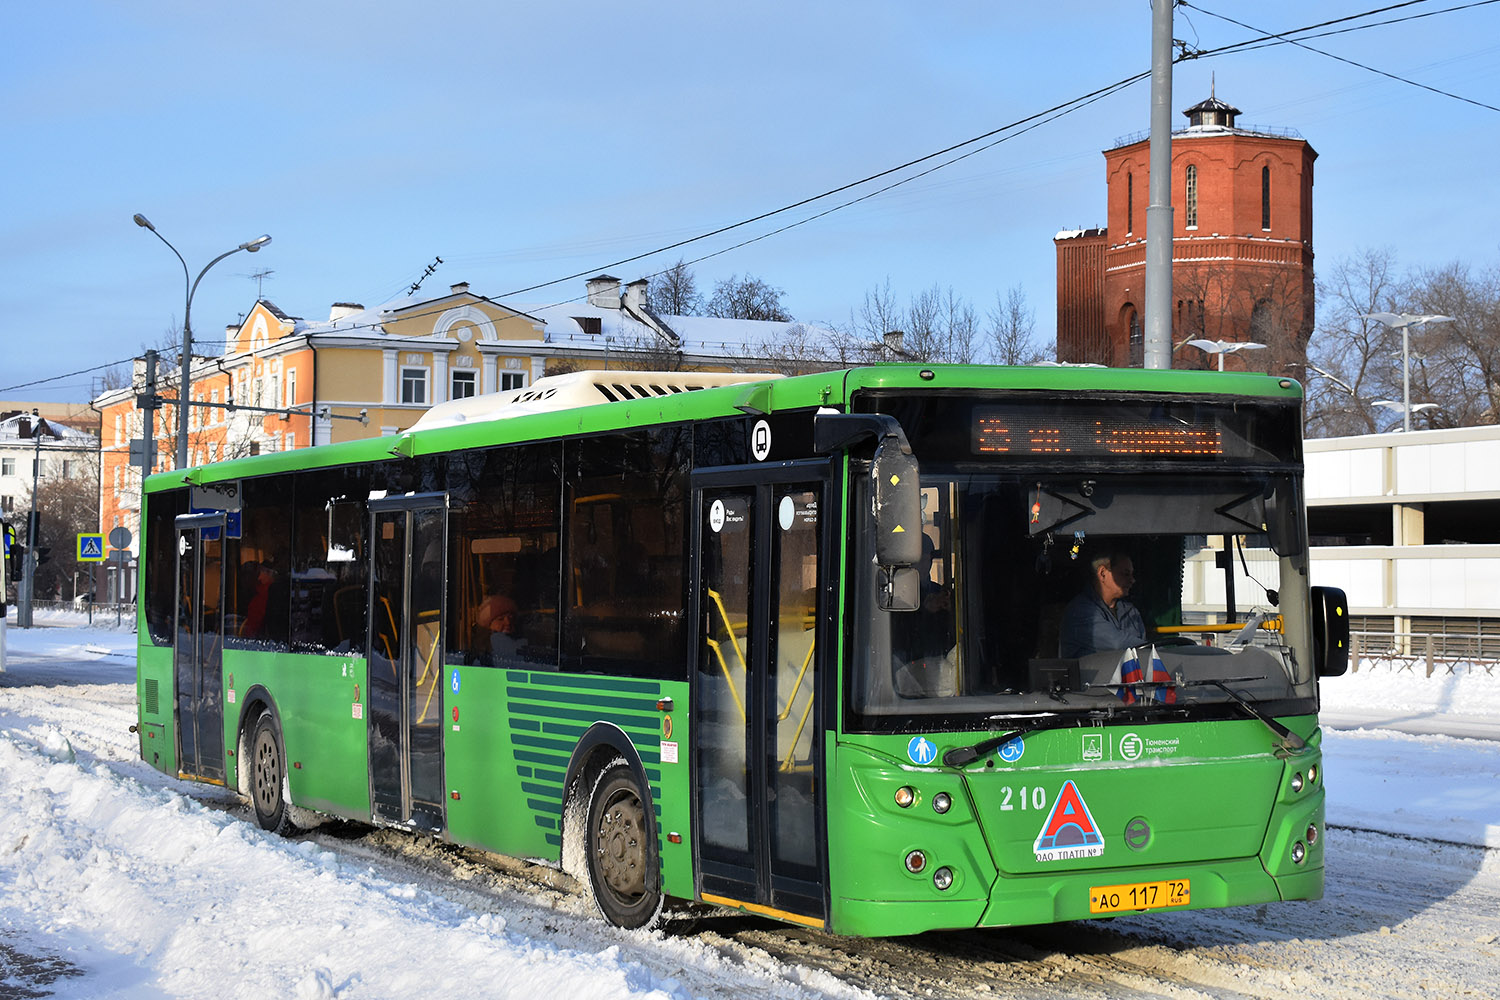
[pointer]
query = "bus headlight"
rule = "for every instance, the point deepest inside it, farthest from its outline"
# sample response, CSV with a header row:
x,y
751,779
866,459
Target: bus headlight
x,y
1312,834
942,878
905,796
942,802
916,861
1312,775
1299,853
1297,782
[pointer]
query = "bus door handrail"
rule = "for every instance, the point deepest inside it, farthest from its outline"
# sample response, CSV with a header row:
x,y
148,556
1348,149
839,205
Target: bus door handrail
x,y
718,651
797,686
436,638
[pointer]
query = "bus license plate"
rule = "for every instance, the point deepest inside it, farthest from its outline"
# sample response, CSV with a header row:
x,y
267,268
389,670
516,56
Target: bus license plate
x,y
1135,896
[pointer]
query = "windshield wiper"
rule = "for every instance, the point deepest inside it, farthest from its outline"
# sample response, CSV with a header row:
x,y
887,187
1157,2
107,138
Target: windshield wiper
x,y
963,756
1290,742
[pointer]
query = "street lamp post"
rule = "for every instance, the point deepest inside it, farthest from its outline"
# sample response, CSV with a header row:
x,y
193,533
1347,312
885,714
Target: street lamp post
x,y
185,385
1404,322
1223,347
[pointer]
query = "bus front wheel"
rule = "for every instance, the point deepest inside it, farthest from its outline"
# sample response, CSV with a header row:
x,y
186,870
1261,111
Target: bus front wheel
x,y
622,861
268,776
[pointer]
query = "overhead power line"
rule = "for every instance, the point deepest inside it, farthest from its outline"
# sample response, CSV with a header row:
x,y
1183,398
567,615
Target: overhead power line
x,y
1267,38
54,378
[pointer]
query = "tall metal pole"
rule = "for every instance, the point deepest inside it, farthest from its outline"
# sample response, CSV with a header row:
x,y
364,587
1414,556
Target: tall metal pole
x,y
28,565
1406,378
185,387
1158,329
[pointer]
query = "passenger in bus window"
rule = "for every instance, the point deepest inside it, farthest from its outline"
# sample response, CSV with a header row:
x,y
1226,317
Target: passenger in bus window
x,y
1100,617
499,617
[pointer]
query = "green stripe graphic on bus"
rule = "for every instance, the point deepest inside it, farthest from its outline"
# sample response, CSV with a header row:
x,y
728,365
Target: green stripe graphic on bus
x,y
549,713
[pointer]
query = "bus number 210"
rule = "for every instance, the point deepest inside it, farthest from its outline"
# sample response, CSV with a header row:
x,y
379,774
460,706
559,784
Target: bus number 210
x,y
1028,798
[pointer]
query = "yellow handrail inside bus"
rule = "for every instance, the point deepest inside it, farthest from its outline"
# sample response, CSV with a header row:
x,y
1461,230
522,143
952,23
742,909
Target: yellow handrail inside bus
x,y
806,662
391,617
1270,625
734,642
719,655
787,763
437,635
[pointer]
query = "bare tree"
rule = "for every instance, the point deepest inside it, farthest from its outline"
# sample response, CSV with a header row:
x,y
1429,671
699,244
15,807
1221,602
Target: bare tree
x,y
1222,300
1349,362
940,326
66,507
747,298
1012,329
1457,364
935,325
799,349
674,292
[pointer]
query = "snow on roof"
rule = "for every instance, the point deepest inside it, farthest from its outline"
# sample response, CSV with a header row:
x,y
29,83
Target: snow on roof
x,y
579,324
56,430
697,332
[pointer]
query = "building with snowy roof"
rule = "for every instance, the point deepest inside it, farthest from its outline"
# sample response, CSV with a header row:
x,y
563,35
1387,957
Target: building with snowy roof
x,y
284,382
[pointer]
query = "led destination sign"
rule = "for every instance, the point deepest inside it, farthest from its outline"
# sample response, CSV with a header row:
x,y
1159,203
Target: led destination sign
x,y
1011,431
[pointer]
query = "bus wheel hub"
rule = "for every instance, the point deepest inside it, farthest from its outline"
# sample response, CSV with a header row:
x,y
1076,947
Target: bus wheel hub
x,y
620,854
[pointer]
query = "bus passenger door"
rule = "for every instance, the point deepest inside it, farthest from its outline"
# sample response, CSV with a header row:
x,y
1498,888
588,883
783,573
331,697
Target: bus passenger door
x,y
757,737
198,650
405,655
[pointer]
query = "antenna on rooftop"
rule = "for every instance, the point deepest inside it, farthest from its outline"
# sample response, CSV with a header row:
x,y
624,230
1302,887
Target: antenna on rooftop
x,y
259,277
430,269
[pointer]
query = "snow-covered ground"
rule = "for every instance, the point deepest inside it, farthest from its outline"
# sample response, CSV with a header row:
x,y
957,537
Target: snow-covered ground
x,y
116,881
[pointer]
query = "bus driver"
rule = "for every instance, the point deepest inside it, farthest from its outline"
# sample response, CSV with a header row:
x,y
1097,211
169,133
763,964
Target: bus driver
x,y
1100,617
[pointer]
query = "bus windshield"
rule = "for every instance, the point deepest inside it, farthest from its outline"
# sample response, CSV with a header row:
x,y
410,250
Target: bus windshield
x,y
1057,594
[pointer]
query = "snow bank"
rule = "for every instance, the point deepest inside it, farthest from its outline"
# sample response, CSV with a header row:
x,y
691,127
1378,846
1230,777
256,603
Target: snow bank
x,y
135,884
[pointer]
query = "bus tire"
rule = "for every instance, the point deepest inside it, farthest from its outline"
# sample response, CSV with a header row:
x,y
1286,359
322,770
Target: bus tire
x,y
268,779
622,863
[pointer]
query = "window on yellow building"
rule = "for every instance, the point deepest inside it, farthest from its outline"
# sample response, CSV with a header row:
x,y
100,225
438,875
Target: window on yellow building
x,y
414,385
465,384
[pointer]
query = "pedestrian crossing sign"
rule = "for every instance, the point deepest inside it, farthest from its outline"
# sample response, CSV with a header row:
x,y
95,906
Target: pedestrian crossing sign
x,y
90,547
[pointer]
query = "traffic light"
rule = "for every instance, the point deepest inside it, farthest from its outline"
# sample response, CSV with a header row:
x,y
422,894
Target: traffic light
x,y
17,560
43,553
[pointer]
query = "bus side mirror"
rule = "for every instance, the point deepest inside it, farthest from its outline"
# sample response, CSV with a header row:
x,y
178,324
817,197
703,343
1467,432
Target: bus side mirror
x,y
1330,629
895,498
895,488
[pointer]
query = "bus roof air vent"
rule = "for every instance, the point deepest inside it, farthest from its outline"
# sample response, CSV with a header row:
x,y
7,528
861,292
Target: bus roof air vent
x,y
585,388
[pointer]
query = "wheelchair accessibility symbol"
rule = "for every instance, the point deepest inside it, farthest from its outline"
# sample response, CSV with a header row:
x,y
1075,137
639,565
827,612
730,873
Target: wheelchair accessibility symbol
x,y
1012,751
455,680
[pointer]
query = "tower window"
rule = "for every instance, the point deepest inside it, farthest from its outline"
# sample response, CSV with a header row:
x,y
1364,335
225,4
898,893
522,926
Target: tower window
x,y
1137,339
1190,199
1265,198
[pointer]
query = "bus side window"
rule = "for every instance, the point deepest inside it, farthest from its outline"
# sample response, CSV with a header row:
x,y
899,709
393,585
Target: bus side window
x,y
502,567
624,566
329,562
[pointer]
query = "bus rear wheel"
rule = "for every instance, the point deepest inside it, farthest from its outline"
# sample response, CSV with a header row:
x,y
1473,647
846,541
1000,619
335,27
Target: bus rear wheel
x,y
622,859
268,776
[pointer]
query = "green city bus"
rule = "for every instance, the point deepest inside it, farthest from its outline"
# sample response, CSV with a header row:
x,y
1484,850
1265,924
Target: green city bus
x,y
803,647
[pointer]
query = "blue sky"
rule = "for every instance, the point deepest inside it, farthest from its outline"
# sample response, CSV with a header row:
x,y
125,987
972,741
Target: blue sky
x,y
524,142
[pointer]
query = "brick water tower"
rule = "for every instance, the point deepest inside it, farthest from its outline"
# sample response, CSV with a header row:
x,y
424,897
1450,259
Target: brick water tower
x,y
1242,255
